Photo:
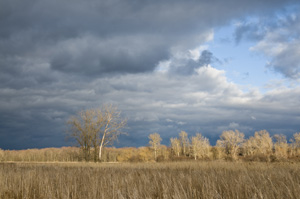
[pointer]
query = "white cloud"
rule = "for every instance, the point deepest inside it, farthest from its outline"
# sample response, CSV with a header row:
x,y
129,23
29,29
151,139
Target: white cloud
x,y
196,52
281,45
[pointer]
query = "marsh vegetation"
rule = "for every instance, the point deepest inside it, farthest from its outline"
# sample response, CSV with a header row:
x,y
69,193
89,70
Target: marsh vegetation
x,y
194,179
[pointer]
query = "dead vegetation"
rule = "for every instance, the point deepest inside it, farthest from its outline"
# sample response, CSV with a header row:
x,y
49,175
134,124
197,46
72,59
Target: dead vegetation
x,y
194,179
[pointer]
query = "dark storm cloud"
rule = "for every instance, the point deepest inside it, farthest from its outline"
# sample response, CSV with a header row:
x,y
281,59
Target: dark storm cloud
x,y
58,57
204,102
98,37
92,56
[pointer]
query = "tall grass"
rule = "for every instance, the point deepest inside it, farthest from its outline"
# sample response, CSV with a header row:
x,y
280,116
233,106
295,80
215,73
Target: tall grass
x,y
214,179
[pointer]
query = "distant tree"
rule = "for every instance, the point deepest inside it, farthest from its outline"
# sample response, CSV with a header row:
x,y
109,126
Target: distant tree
x,y
126,154
200,146
96,128
295,144
184,142
164,152
263,142
249,147
217,152
176,146
281,146
145,154
1,155
260,144
231,141
154,142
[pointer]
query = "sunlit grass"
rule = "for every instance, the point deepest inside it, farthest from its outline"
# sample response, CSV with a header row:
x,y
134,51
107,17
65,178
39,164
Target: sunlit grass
x,y
214,179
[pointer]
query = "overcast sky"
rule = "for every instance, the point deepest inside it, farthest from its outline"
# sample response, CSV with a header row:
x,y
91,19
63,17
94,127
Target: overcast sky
x,y
169,65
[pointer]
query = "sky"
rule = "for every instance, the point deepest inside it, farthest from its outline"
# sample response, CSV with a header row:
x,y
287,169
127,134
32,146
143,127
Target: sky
x,y
168,65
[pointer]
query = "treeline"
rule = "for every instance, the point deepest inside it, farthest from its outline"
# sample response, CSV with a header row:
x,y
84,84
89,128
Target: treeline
x,y
75,154
232,146
63,154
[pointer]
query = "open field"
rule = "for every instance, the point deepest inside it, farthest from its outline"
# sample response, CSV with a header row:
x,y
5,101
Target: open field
x,y
214,179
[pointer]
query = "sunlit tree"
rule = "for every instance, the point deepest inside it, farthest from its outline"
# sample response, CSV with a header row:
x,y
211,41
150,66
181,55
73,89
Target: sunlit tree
x,y
164,152
145,154
281,146
1,155
176,146
250,146
295,144
260,144
263,142
154,142
231,141
96,128
184,140
200,146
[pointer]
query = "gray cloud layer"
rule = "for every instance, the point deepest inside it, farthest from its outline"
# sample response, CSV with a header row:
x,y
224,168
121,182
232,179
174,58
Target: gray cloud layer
x,y
58,57
204,102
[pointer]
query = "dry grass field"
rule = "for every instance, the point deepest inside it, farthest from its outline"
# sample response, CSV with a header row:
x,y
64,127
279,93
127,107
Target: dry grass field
x,y
211,179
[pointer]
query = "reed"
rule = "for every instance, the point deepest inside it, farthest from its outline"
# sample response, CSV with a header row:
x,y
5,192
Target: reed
x,y
211,179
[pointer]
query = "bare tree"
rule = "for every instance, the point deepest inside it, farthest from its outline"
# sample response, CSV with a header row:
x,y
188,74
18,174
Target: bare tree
x,y
295,144
249,147
260,144
84,128
200,146
281,146
175,145
231,141
184,142
155,140
112,125
164,152
263,141
1,155
96,128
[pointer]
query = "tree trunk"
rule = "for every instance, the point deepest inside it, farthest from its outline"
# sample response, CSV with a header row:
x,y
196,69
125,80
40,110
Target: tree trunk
x,y
100,152
100,147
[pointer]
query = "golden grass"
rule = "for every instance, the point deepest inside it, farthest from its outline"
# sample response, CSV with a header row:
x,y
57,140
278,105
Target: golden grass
x,y
214,179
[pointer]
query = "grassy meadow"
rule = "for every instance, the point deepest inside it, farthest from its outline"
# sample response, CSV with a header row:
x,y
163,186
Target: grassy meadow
x,y
191,179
